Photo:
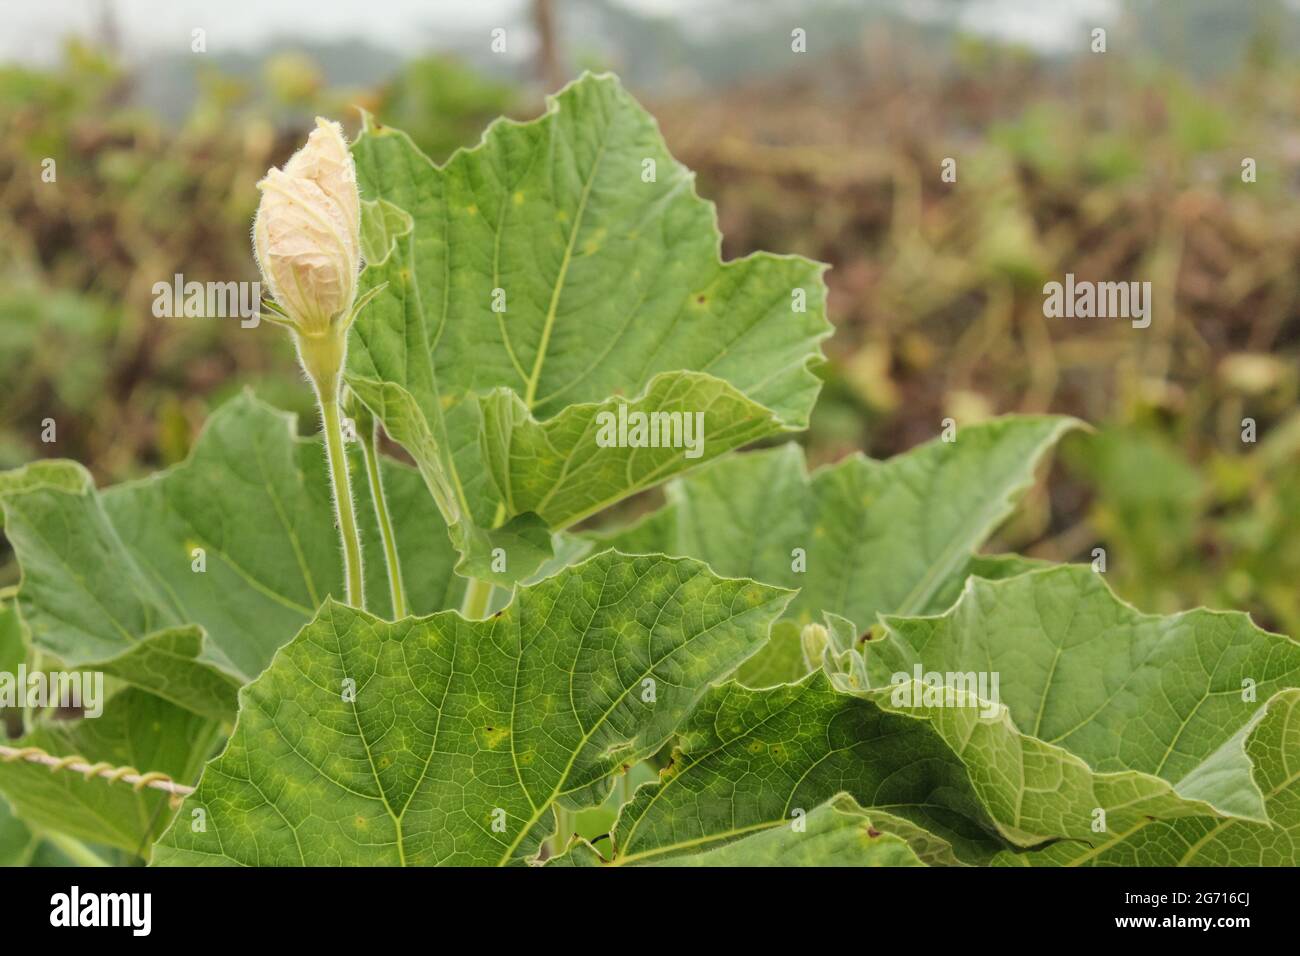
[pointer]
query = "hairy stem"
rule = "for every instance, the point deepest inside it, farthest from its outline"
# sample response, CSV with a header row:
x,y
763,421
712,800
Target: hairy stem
x,y
477,598
367,436
322,357
343,508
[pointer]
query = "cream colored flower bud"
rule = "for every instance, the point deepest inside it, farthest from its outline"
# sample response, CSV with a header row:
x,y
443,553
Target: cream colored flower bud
x,y
307,232
815,639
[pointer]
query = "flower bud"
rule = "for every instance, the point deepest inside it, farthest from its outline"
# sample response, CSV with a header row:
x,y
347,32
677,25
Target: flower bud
x,y
307,232
815,639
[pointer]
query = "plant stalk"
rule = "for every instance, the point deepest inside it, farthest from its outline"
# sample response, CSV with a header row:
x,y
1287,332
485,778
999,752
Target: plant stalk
x,y
343,509
74,850
478,597
395,589
322,358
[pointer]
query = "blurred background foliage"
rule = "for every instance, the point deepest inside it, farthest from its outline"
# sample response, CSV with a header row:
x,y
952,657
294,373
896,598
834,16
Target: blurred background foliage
x,y
1124,166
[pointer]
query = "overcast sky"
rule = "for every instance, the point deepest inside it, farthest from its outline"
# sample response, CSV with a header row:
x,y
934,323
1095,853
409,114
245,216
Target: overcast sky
x,y
32,30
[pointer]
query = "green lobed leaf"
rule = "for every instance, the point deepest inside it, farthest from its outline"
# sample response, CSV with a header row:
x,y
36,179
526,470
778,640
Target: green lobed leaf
x,y
559,471
1104,706
1272,746
456,724
614,290
746,760
108,579
524,541
1166,696
837,833
891,537
47,473
1160,735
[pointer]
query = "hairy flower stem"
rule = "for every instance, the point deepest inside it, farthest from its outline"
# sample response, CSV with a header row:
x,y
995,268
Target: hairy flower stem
x,y
478,595
366,431
343,508
322,358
